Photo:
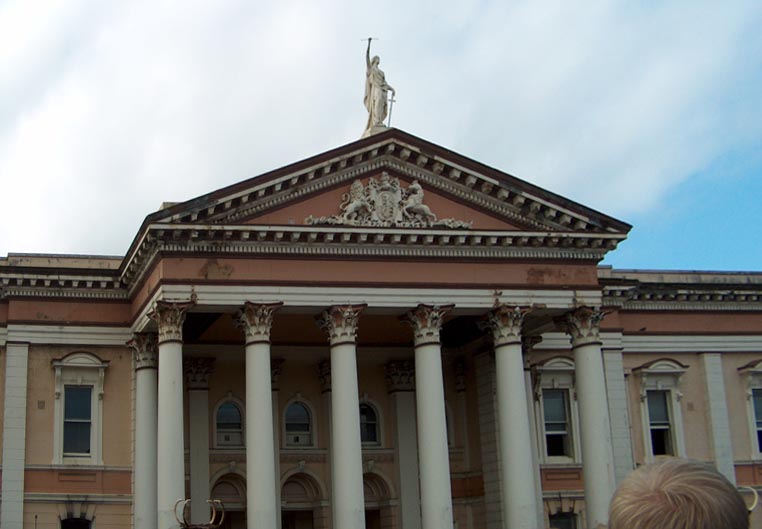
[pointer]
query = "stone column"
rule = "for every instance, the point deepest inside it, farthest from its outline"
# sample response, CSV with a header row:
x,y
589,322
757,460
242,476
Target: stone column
x,y
400,382
324,376
583,326
517,474
170,443
14,435
261,506
276,367
436,493
146,362
340,322
197,371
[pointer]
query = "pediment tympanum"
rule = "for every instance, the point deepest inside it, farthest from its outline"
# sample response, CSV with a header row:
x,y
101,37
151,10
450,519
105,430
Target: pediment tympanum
x,y
384,202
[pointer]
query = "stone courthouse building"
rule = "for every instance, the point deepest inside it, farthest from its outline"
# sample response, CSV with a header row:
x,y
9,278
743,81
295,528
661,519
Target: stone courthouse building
x,y
387,335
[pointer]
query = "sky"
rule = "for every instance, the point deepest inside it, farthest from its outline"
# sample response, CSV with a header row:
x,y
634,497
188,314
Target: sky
x,y
650,112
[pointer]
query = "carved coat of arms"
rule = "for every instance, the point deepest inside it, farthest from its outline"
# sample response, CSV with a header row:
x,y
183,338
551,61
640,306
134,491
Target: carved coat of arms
x,y
384,202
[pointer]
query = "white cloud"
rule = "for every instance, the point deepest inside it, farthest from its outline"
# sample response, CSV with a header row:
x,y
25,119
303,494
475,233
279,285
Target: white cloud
x,y
113,108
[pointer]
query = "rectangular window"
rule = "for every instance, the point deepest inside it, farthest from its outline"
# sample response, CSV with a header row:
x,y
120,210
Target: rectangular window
x,y
77,420
659,423
555,405
757,397
563,520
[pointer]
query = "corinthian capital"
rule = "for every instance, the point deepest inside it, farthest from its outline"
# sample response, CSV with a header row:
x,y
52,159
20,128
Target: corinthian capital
x,y
170,317
256,320
145,347
426,321
340,322
197,371
400,375
505,324
582,325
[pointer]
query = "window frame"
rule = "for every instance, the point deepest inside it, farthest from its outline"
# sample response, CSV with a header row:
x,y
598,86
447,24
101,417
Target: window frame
x,y
79,369
752,373
312,425
238,403
556,373
379,424
663,375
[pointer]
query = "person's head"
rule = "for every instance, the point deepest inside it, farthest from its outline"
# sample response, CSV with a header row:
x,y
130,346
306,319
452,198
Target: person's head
x,y
677,494
375,60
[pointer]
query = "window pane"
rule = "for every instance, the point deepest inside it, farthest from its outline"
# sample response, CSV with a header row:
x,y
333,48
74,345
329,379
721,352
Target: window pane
x,y
658,412
562,520
77,402
554,404
368,424
558,445
367,414
757,394
76,438
228,417
661,442
297,418
75,523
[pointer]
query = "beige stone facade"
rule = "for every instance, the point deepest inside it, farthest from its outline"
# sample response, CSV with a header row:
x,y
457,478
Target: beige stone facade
x,y
386,335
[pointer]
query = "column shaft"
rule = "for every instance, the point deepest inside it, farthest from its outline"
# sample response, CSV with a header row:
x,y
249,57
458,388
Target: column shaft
x,y
170,443
146,422
595,430
262,510
261,504
519,502
171,446
346,457
346,452
198,417
436,495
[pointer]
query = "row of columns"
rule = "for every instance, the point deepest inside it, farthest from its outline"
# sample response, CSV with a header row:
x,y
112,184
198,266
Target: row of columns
x,y
160,483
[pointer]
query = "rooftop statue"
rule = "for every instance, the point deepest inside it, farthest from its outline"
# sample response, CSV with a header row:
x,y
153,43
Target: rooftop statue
x,y
376,94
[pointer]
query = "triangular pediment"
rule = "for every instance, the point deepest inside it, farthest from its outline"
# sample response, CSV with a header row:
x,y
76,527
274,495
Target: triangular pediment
x,y
390,195
453,187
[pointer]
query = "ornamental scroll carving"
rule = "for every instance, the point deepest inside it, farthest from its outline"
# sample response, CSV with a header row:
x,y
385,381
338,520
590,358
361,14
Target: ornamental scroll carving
x,y
385,203
197,371
505,323
340,322
426,321
146,349
256,320
170,317
400,375
582,325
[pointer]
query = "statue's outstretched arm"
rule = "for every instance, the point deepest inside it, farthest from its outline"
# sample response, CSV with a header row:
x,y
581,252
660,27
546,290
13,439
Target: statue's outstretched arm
x,y
367,55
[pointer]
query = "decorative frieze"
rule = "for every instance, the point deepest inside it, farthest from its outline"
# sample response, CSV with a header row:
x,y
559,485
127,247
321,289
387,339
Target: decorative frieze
x,y
385,203
400,375
197,371
582,325
146,349
256,320
340,322
505,323
426,321
170,317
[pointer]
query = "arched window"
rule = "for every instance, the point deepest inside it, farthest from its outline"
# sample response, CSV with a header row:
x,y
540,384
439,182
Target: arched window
x,y
298,425
368,424
229,425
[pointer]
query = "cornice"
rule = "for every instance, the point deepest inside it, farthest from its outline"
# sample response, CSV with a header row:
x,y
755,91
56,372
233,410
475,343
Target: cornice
x,y
681,298
403,157
311,241
53,284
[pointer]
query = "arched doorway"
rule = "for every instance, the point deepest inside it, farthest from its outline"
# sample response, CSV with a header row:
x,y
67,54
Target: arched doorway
x,y
230,489
301,500
378,506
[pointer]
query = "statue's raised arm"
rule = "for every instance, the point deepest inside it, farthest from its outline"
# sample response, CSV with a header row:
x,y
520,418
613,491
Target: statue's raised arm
x,y
376,94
